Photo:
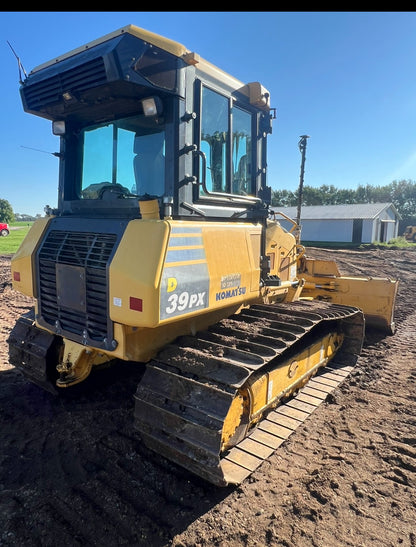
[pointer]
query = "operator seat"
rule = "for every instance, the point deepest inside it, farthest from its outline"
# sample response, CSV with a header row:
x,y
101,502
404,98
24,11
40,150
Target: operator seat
x,y
149,164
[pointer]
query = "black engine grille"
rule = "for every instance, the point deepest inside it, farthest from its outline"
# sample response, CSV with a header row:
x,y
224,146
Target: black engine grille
x,y
90,253
50,90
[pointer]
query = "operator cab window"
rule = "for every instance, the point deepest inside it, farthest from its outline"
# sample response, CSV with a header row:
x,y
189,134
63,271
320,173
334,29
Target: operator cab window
x,y
226,142
122,160
149,164
241,148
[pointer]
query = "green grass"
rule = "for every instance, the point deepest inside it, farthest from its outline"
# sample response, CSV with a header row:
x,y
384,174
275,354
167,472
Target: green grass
x,y
10,243
398,242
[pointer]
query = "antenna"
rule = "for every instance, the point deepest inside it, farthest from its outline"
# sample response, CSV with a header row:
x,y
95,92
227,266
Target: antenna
x,y
19,64
57,154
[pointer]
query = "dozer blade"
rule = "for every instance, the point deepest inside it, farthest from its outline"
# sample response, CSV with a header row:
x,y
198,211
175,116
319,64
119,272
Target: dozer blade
x,y
376,296
193,404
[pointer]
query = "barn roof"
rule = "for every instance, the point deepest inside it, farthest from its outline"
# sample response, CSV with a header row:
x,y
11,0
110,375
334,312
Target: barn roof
x,y
331,212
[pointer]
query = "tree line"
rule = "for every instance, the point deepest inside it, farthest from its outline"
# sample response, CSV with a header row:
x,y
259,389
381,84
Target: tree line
x,y
401,193
8,215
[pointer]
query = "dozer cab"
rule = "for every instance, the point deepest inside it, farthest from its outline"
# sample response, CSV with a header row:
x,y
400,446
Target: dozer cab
x,y
163,250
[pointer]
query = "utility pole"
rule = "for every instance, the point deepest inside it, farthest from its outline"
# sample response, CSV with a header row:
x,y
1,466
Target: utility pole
x,y
302,148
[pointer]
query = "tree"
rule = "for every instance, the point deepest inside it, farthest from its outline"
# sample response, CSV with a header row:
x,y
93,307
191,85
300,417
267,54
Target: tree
x,y
6,211
401,193
283,198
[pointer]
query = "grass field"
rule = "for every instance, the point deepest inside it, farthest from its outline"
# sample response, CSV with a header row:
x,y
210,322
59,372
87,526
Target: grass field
x,y
10,243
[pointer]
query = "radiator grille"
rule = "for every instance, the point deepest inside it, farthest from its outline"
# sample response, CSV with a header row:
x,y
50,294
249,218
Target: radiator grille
x,y
92,253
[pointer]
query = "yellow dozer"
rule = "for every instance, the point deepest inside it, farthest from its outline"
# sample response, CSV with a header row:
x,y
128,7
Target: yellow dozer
x,y
163,250
410,234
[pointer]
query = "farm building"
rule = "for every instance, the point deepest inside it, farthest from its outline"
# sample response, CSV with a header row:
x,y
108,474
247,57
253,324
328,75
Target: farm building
x,y
357,223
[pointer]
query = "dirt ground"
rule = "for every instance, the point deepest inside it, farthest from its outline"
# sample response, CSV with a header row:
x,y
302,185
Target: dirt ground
x,y
74,473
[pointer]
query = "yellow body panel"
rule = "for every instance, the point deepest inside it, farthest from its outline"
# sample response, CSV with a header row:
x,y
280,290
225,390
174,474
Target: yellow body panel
x,y
410,233
23,276
281,250
232,253
165,270
135,272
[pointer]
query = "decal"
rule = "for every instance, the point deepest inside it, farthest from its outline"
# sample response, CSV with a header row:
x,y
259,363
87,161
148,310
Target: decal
x,y
117,302
230,280
185,301
184,288
270,391
179,255
293,272
172,283
230,293
185,277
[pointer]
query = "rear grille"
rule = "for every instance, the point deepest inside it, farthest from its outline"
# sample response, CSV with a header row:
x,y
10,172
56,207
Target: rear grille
x,y
91,253
50,90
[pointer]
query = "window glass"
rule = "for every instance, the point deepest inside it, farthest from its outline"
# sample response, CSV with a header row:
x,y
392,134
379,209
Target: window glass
x,y
158,67
217,141
241,147
97,157
214,139
123,159
149,164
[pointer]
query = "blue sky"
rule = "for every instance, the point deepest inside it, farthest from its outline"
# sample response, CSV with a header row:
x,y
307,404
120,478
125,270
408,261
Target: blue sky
x,y
347,79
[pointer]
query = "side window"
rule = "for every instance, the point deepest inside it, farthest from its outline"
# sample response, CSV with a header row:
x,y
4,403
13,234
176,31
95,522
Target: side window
x,y
149,164
241,146
222,145
214,139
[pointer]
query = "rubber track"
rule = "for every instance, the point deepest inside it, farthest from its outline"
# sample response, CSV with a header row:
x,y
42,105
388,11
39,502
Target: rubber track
x,y
185,394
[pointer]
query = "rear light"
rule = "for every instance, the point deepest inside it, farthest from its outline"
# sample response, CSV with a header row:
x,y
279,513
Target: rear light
x,y
16,276
136,304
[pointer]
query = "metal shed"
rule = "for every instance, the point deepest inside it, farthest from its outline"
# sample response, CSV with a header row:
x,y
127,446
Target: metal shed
x,y
357,223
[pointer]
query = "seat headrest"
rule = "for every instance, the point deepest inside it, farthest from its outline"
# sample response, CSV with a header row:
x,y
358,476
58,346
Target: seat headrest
x,y
149,144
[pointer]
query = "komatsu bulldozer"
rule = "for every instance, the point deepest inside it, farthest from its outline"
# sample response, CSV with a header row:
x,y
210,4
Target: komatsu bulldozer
x,y
164,251
410,234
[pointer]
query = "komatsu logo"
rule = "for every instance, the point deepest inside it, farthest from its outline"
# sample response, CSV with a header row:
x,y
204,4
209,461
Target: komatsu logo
x,y
230,293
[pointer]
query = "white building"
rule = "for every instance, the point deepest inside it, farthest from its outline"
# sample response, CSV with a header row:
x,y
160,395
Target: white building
x,y
358,223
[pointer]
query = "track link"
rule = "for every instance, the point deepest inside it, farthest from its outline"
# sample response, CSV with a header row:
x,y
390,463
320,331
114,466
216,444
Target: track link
x,y
186,392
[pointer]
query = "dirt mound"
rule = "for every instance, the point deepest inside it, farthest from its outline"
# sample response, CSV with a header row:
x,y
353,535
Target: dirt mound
x,y
74,472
